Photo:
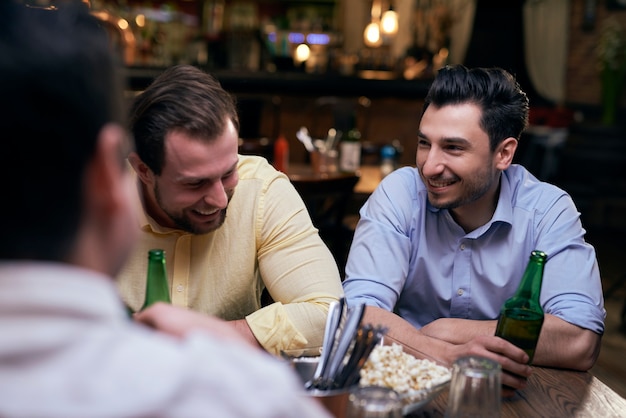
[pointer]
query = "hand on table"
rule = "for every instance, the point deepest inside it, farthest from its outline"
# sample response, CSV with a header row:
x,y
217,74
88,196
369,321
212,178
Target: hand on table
x,y
513,360
473,337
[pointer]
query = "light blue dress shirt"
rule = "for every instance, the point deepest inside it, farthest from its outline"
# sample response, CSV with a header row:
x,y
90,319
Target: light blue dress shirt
x,y
414,259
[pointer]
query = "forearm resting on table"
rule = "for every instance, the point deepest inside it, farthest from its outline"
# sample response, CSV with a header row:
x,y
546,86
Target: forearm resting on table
x,y
458,331
561,344
565,345
512,359
401,331
435,346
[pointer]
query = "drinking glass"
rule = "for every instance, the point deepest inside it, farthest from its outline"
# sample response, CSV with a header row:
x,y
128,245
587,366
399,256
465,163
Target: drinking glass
x,y
324,161
374,402
475,388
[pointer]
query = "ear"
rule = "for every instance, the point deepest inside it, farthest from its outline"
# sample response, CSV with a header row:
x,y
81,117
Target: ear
x,y
145,174
105,179
505,152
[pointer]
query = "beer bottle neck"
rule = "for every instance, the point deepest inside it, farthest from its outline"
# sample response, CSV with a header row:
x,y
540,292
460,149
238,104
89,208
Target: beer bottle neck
x,y
530,286
157,287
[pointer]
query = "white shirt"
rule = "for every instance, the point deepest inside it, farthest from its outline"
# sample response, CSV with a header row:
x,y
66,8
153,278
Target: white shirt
x,y
67,349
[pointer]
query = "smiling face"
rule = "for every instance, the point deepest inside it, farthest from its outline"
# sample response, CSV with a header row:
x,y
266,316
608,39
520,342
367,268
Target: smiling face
x,y
456,164
196,184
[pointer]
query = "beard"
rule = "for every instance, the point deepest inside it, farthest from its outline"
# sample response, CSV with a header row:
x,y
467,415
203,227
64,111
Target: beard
x,y
472,190
183,218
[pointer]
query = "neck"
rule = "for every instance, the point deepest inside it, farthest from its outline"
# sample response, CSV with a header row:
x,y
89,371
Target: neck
x,y
476,214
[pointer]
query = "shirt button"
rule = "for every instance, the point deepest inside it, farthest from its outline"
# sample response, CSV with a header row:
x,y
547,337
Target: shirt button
x,y
462,247
459,292
179,288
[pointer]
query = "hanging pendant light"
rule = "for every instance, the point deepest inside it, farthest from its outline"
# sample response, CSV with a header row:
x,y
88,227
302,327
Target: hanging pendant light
x,y
389,22
371,35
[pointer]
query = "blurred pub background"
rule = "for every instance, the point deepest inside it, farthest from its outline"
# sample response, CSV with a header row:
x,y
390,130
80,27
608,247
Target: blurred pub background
x,y
380,49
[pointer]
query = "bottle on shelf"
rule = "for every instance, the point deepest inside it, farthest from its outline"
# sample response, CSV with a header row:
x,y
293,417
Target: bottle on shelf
x,y
521,316
157,287
281,154
350,150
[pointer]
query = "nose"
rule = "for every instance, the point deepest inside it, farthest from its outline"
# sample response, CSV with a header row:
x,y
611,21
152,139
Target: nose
x,y
431,162
216,196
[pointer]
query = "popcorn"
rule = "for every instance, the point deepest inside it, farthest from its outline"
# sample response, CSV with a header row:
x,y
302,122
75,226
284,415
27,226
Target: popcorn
x,y
390,366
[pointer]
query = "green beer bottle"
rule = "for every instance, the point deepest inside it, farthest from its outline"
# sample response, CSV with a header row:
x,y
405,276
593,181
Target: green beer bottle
x,y
157,288
521,316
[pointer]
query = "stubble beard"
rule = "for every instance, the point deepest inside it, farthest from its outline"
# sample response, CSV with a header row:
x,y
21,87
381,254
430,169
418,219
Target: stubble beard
x,y
183,222
473,191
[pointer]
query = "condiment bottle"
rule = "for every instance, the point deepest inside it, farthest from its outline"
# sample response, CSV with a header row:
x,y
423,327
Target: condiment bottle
x,y
157,288
521,316
281,154
387,160
350,151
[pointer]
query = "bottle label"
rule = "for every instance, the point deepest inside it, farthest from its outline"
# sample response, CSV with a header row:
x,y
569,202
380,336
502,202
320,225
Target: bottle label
x,y
350,158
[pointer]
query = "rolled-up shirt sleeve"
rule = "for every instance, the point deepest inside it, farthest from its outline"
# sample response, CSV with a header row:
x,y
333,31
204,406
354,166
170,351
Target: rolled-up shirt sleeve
x,y
298,270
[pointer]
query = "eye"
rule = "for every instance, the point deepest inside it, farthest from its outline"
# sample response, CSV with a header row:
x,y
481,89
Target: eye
x,y
455,148
194,184
422,143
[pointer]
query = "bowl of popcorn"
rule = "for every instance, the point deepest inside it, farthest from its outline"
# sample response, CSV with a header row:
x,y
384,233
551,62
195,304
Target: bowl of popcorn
x,y
414,377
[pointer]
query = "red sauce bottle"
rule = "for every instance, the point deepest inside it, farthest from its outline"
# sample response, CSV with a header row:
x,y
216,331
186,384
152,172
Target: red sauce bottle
x,y
281,154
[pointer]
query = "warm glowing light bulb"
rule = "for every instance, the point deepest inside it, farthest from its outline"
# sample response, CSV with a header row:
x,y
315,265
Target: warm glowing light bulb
x,y
140,20
371,36
122,23
303,52
389,22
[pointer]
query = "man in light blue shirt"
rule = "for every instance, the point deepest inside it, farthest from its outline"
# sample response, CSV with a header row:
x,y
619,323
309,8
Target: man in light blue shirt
x,y
440,247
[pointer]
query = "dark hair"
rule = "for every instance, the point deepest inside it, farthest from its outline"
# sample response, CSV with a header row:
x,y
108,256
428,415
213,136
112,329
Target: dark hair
x,y
183,98
504,105
58,88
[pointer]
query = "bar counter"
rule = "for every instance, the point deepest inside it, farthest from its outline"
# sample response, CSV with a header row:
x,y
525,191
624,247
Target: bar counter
x,y
293,82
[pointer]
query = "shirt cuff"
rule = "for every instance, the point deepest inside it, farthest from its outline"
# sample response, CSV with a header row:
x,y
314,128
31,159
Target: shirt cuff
x,y
273,329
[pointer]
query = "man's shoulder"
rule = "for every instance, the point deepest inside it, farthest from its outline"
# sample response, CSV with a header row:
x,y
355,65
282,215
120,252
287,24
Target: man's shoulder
x,y
403,183
253,164
406,177
526,189
253,167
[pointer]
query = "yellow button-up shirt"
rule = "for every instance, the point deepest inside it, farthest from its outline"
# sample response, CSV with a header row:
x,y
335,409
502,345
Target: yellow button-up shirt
x,y
267,240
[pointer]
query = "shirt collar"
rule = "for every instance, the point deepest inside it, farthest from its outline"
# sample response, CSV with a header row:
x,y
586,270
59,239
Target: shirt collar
x,y
504,209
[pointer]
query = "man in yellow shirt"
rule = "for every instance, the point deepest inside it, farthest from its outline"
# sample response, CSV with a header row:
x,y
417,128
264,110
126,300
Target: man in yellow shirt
x,y
230,225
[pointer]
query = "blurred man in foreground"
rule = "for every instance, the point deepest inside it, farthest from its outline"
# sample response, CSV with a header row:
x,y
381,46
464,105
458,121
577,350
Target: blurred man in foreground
x,y
67,348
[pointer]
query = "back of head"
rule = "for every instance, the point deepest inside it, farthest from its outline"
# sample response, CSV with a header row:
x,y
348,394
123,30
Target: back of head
x,y
58,88
494,90
183,98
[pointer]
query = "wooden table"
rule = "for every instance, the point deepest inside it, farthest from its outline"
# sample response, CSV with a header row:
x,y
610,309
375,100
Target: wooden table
x,y
369,180
551,393
369,176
